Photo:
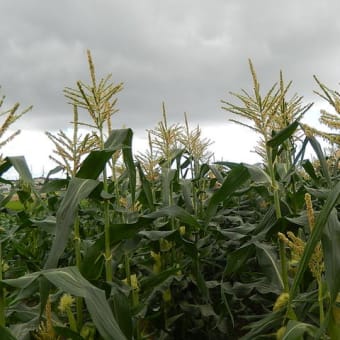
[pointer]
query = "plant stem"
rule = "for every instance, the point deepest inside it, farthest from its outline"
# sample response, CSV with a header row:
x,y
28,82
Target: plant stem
x,y
275,190
108,256
320,300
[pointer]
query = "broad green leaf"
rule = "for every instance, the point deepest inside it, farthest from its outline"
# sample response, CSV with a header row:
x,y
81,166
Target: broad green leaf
x,y
237,258
297,330
156,280
155,235
323,163
93,258
54,185
122,312
283,135
20,165
23,281
187,193
5,334
95,162
48,224
123,137
71,281
309,168
234,180
167,177
320,223
54,171
331,251
146,187
77,190
269,263
177,212
200,281
22,331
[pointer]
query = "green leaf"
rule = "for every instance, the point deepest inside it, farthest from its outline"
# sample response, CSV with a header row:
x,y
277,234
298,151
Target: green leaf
x,y
122,312
146,187
331,250
155,235
122,138
5,334
323,163
95,162
77,190
54,185
283,135
20,165
320,223
308,167
237,258
177,212
93,258
268,262
70,280
167,178
234,180
296,330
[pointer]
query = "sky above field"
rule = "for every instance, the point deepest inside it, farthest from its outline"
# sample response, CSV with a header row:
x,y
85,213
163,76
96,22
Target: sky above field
x,y
188,54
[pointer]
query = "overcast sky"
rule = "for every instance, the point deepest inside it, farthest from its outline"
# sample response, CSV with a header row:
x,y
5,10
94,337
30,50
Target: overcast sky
x,y
187,53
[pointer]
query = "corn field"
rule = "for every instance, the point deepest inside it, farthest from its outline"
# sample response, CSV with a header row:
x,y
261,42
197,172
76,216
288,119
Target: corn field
x,y
169,243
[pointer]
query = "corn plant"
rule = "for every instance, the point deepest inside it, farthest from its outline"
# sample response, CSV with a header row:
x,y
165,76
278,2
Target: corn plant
x,y
98,99
192,249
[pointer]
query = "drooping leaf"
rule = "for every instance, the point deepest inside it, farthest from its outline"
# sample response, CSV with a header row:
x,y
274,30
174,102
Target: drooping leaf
x,y
323,163
237,258
177,212
297,330
77,190
283,135
20,165
70,280
93,259
234,180
94,164
155,235
268,262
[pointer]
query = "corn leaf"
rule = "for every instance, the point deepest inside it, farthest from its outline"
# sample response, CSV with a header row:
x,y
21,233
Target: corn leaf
x,y
331,250
5,334
20,165
297,330
234,180
177,212
77,190
283,135
323,163
320,223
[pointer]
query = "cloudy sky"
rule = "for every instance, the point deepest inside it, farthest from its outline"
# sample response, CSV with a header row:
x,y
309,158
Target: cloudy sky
x,y
189,54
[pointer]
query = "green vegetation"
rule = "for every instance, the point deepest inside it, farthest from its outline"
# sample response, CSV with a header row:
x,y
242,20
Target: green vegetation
x,y
167,244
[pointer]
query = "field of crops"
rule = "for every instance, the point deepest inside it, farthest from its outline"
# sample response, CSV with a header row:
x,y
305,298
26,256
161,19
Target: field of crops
x,y
169,244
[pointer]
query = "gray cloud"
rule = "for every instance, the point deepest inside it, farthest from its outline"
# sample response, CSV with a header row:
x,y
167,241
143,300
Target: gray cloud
x,y
188,54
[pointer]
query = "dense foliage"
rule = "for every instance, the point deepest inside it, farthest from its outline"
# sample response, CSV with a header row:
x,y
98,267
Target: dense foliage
x,y
167,244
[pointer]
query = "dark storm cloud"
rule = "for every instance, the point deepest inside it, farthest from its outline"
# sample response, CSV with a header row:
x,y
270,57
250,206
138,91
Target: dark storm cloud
x,y
186,53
